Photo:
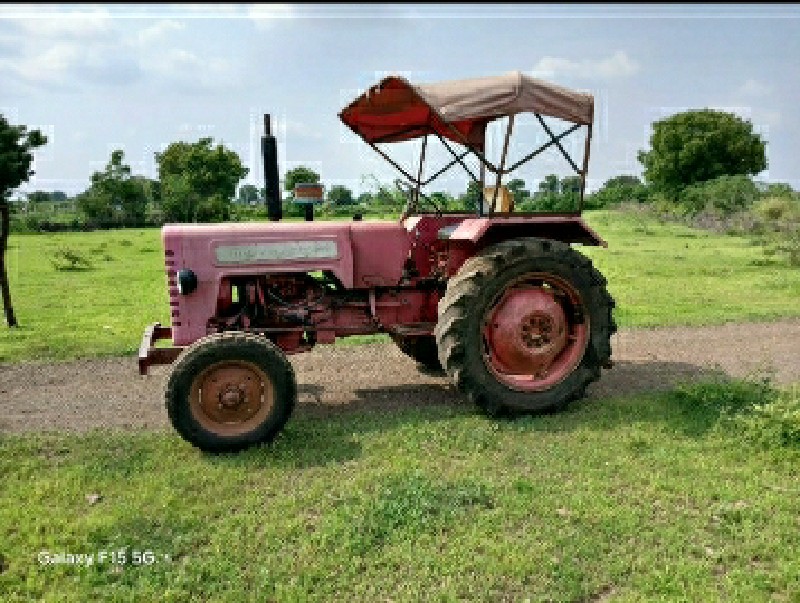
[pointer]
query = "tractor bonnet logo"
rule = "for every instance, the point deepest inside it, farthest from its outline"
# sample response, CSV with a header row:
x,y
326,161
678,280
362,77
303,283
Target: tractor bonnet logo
x,y
271,252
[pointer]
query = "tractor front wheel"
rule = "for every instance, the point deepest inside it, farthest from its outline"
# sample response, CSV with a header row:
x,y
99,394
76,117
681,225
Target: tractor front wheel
x,y
525,326
230,391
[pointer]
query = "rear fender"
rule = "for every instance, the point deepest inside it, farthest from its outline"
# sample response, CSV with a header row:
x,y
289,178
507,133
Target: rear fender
x,y
482,232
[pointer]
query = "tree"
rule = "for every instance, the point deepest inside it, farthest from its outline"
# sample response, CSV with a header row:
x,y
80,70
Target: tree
x,y
198,181
550,184
700,145
472,197
299,175
441,199
39,197
248,193
516,187
340,195
115,195
16,156
619,189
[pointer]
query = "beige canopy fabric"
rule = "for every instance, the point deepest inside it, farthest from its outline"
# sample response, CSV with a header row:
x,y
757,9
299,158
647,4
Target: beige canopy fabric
x,y
395,110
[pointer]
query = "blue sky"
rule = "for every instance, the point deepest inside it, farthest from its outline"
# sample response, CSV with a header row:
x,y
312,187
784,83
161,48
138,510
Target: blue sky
x,y
95,78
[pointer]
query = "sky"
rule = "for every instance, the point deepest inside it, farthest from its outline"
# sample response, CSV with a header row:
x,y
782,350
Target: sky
x,y
138,77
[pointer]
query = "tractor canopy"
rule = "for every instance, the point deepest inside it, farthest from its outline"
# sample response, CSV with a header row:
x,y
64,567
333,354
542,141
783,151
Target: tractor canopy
x,y
394,110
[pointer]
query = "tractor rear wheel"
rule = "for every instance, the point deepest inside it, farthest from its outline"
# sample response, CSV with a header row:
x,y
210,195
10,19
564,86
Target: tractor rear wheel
x,y
525,326
230,391
421,348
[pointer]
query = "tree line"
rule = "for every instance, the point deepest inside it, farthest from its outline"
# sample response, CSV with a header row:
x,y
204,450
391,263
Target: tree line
x,y
696,159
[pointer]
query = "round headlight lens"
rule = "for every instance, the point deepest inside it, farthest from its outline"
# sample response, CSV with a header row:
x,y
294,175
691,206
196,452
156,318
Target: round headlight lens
x,y
187,281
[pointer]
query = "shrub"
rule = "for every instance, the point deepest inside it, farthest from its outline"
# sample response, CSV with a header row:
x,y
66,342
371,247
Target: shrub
x,y
724,195
766,416
776,422
778,208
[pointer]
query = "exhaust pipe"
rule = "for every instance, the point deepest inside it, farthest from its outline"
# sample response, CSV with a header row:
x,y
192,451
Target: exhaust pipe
x,y
272,189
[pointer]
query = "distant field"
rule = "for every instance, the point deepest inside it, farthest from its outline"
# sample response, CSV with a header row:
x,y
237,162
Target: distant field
x,y
659,275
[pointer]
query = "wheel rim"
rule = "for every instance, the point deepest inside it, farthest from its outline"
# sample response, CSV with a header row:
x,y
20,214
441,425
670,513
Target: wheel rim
x,y
231,398
533,336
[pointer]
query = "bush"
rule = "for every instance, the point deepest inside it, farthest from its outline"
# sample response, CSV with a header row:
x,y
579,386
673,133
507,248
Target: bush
x,y
784,208
776,422
767,417
724,195
618,191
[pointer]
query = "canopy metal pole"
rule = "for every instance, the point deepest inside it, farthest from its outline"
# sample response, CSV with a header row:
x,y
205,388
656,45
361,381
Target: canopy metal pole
x,y
419,173
558,143
585,170
545,146
509,128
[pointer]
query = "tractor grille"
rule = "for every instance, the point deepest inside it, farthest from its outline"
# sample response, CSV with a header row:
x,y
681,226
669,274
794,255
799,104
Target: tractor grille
x,y
172,283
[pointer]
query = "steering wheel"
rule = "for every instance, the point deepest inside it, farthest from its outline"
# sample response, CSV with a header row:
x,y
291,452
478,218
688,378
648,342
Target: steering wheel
x,y
408,190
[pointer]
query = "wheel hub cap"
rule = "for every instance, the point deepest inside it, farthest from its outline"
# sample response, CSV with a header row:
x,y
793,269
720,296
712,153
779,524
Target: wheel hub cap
x,y
231,397
526,331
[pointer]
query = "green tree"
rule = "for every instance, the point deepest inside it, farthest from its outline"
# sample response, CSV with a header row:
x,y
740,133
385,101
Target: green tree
x,y
198,181
516,186
550,184
441,199
299,175
619,189
340,195
472,197
16,157
248,193
115,195
700,145
570,185
779,189
39,197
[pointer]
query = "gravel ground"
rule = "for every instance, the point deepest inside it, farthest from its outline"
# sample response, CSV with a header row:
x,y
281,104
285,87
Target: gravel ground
x,y
109,393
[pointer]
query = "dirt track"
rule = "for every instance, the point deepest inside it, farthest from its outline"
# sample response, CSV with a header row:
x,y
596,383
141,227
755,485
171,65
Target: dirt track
x,y
87,394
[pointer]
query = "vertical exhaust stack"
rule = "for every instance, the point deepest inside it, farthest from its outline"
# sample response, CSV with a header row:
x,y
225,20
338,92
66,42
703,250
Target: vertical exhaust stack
x,y
272,190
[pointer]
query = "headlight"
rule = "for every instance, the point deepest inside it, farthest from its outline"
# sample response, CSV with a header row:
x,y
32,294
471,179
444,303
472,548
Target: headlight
x,y
187,281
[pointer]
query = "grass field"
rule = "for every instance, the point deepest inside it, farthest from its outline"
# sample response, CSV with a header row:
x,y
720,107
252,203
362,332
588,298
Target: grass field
x,y
659,275
654,498
691,495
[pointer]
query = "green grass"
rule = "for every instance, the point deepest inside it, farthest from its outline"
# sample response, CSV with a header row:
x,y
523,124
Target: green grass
x,y
653,498
658,274
669,274
90,311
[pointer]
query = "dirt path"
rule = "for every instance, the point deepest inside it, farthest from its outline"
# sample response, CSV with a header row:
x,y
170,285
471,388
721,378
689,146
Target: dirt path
x,y
87,394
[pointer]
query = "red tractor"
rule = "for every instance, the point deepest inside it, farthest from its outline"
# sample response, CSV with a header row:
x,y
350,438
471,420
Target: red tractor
x,y
498,299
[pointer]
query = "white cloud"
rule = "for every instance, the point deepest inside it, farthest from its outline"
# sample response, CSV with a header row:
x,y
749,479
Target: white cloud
x,y
618,64
63,49
264,15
